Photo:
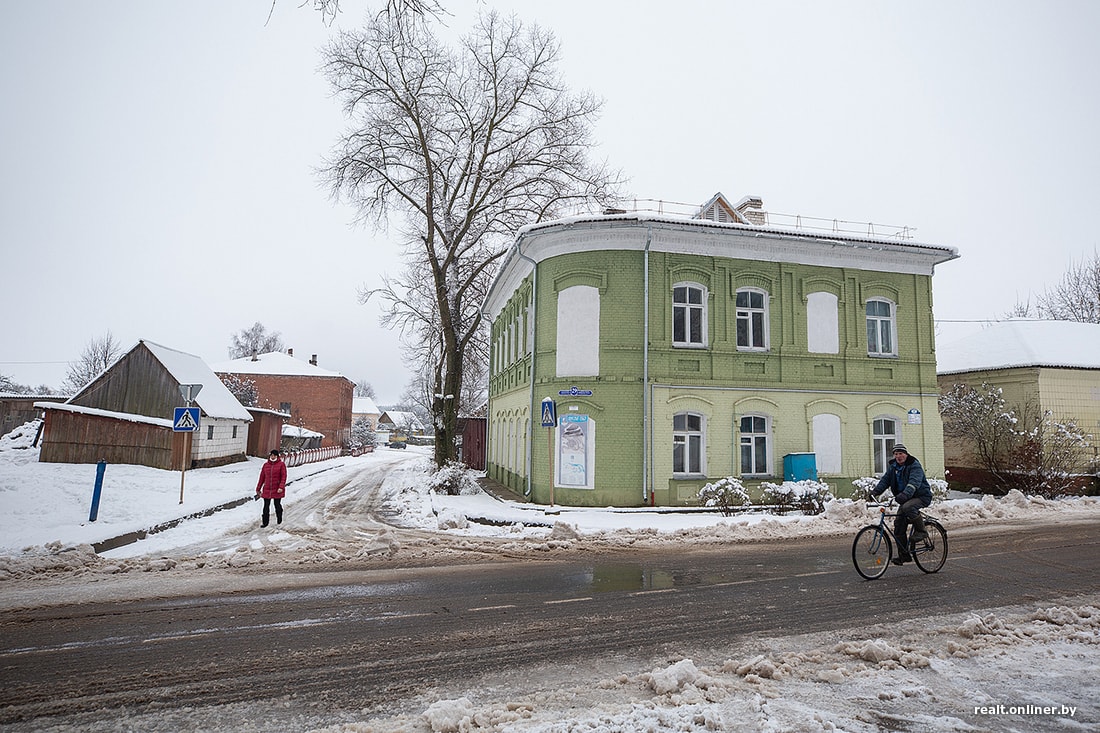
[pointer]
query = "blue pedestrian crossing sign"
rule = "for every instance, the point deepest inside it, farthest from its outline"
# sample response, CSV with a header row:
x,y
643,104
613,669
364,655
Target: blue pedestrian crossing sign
x,y
186,420
549,414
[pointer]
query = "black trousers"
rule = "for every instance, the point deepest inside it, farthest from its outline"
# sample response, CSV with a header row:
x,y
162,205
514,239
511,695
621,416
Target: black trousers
x,y
267,511
907,512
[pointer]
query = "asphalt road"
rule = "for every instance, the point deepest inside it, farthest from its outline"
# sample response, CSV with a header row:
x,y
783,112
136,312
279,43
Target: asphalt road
x,y
360,639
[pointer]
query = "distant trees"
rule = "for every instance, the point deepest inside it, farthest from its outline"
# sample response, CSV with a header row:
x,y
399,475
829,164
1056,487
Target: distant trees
x,y
363,388
98,354
255,340
465,145
1075,298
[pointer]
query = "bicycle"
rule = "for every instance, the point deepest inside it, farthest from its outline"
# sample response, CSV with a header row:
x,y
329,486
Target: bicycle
x,y
873,548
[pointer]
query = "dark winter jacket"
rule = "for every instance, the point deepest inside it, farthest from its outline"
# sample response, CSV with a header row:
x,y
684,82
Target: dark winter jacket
x,y
272,483
906,481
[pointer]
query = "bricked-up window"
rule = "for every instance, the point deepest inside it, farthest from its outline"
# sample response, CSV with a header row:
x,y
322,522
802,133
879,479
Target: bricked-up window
x,y
755,439
884,433
881,328
688,444
752,319
689,315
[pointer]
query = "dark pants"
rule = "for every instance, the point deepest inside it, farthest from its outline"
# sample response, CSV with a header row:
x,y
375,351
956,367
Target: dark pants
x,y
267,511
907,512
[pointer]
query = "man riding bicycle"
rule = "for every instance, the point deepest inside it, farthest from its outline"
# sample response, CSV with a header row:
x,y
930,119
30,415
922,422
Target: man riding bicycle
x,y
905,478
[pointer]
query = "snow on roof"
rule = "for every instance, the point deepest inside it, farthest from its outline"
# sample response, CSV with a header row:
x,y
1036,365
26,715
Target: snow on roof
x,y
363,406
214,398
275,363
293,431
127,416
403,419
1020,343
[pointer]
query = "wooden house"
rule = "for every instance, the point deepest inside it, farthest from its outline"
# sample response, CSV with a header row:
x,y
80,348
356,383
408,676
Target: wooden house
x,y
125,415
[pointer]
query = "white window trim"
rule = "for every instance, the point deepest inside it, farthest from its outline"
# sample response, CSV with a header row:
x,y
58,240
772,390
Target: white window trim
x,y
769,467
893,320
702,433
766,310
704,307
875,438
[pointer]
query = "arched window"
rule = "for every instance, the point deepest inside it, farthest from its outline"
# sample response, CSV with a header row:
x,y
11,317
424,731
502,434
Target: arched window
x,y
881,328
689,315
688,444
884,433
752,319
755,445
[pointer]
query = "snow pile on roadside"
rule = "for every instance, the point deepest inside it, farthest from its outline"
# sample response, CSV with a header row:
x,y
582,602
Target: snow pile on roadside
x,y
952,677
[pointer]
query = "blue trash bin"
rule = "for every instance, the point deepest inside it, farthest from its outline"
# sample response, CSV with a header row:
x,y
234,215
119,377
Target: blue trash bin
x,y
800,467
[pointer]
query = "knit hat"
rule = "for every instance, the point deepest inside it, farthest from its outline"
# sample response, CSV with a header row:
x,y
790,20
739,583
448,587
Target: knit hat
x,y
901,447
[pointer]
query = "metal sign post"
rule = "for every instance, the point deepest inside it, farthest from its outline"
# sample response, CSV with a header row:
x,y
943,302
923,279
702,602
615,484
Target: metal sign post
x,y
186,420
550,421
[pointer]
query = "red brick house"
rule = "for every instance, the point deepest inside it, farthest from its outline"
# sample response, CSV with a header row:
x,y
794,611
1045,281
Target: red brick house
x,y
316,399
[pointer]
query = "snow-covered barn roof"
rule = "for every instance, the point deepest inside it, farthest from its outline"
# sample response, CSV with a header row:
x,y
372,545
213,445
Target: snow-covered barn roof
x,y
214,398
273,363
1020,343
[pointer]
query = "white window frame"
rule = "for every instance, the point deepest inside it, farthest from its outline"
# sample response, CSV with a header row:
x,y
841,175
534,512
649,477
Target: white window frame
x,y
882,442
876,322
749,314
681,311
685,439
752,440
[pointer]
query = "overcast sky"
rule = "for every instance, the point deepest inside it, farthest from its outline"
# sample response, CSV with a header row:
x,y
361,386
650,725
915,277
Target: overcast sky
x,y
156,173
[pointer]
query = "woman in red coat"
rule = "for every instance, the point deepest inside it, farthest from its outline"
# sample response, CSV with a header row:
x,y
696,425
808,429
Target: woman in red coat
x,y
272,485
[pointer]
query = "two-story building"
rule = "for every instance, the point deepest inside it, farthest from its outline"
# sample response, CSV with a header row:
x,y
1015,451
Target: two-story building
x,y
667,351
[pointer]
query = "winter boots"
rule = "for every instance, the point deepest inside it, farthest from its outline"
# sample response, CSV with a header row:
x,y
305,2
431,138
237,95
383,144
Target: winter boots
x,y
920,534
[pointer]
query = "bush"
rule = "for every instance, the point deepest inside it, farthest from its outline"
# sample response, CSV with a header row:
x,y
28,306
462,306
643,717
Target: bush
x,y
453,479
725,494
809,496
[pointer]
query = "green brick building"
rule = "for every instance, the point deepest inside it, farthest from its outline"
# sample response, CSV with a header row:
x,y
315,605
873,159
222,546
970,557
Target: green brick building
x,y
670,351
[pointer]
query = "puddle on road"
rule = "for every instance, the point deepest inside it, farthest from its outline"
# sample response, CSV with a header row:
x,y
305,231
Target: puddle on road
x,y
632,577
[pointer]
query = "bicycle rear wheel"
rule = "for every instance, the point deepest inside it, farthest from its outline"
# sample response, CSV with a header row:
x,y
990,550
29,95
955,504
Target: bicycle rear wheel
x,y
871,552
931,554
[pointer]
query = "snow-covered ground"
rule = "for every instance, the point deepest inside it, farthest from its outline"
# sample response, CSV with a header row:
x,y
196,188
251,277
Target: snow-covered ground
x,y
1018,668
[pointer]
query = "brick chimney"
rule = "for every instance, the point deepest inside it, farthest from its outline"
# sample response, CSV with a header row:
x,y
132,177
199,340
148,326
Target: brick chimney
x,y
313,361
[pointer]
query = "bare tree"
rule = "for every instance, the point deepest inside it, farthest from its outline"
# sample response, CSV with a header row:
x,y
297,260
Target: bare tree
x,y
98,354
1075,298
467,145
255,340
329,9
243,388
981,419
363,388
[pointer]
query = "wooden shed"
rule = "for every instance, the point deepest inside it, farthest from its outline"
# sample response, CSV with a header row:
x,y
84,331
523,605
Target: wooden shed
x,y
75,434
265,434
133,402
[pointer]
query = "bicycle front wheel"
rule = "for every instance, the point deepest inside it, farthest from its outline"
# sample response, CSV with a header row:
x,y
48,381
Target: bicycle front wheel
x,y
931,554
871,552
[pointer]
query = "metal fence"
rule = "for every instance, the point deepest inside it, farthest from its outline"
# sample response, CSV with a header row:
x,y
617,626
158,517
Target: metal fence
x,y
312,455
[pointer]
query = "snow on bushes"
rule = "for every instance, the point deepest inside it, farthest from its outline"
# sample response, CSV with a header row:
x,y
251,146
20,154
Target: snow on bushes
x,y
807,495
725,494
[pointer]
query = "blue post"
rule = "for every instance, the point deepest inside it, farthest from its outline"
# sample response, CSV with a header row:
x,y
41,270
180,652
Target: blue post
x,y
99,469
